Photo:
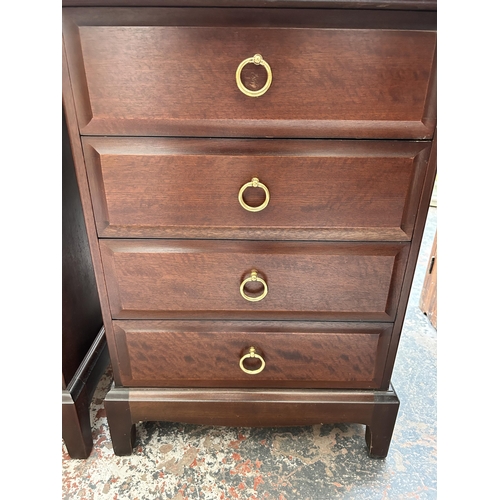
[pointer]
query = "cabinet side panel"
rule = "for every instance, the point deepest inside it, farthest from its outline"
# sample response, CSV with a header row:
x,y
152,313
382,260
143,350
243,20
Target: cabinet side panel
x,y
81,311
412,262
81,178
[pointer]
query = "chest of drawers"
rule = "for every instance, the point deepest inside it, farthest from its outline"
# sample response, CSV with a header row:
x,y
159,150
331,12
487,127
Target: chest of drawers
x,y
255,178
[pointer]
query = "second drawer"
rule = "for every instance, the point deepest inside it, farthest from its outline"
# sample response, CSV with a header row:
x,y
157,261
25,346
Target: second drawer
x,y
184,188
164,279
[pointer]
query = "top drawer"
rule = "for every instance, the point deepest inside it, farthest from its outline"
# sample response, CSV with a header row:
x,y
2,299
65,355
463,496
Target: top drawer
x,y
168,71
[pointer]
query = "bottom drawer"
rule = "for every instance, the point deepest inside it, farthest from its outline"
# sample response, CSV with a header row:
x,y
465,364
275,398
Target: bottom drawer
x,y
287,354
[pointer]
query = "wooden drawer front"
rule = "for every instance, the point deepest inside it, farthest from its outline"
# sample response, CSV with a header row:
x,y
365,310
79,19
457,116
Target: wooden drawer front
x,y
342,190
172,72
207,354
201,279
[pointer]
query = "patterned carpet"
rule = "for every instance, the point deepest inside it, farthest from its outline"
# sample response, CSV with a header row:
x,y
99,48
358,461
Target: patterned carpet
x,y
175,461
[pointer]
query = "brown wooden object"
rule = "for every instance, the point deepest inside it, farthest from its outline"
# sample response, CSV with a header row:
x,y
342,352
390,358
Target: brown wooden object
x,y
84,350
297,354
253,255
339,190
428,297
187,85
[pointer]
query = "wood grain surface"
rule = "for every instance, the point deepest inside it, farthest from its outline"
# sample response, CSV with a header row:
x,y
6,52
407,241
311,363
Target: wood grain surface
x,y
418,232
75,145
170,244
428,295
252,408
201,279
134,73
207,354
339,190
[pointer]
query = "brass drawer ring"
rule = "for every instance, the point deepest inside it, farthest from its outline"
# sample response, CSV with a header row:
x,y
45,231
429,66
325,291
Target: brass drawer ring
x,y
255,183
257,59
252,354
253,277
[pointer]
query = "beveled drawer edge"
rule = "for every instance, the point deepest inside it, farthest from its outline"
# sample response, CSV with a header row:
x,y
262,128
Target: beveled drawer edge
x,y
256,233
96,146
122,328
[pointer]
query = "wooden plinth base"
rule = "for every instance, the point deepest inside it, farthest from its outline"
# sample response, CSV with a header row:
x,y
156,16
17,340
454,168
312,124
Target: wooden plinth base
x,y
252,408
76,398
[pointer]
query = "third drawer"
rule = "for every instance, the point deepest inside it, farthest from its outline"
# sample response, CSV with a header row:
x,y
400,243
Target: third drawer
x,y
162,279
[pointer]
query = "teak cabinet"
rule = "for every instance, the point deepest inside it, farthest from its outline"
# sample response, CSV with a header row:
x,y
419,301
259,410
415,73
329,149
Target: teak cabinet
x,y
255,178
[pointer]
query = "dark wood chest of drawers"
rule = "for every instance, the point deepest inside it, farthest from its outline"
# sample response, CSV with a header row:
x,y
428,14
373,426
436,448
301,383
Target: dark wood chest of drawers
x,y
255,179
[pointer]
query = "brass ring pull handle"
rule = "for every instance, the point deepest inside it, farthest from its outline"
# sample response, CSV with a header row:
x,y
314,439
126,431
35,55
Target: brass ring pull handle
x,y
253,277
252,354
257,60
255,183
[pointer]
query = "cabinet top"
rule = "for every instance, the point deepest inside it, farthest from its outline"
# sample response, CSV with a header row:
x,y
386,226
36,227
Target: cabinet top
x,y
326,4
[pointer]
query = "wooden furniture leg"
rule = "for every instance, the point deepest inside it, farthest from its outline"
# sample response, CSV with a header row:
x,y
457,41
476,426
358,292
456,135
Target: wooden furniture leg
x,y
121,426
252,408
76,427
379,430
76,398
